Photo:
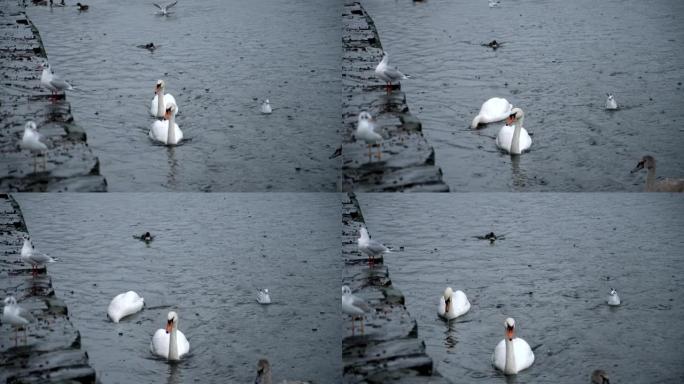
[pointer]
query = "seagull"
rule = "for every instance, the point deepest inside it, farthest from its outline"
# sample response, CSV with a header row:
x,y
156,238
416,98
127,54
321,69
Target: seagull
x,y
365,130
370,247
354,306
387,74
15,315
611,104
266,107
31,141
29,256
494,3
164,9
51,81
263,297
613,298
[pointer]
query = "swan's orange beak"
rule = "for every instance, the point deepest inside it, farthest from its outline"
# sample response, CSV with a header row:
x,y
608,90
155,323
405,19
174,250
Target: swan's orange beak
x,y
169,326
509,332
510,120
167,115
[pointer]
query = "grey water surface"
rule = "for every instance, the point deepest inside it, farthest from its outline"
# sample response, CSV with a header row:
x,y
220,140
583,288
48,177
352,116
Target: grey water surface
x,y
557,61
210,253
553,271
219,59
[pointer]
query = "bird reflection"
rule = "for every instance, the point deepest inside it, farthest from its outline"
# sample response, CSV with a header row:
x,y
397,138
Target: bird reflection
x,y
450,340
519,177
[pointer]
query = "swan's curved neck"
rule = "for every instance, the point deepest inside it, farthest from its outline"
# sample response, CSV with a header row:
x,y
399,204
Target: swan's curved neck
x,y
509,368
515,145
173,344
161,108
171,131
650,179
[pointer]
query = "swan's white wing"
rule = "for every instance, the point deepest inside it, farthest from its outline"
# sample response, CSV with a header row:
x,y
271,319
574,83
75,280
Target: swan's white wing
x,y
160,343
525,140
168,99
495,109
524,357
499,356
505,137
158,130
154,106
460,303
183,344
441,310
124,304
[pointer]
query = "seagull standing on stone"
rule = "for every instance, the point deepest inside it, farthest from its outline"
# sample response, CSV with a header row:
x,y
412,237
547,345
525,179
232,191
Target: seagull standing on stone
x,y
15,315
370,247
36,259
164,9
31,141
354,306
365,130
387,74
51,81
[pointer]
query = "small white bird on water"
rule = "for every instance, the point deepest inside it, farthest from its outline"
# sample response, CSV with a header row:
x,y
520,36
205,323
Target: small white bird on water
x,y
124,304
30,256
453,304
16,316
31,140
494,3
263,297
158,109
365,130
164,9
354,306
51,81
611,104
613,298
388,74
266,107
169,342
512,354
370,247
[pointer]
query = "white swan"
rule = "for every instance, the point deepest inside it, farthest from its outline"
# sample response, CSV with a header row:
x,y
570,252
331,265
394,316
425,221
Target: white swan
x,y
170,343
160,128
512,354
613,298
453,304
665,185
492,110
513,137
365,130
124,304
159,109
263,297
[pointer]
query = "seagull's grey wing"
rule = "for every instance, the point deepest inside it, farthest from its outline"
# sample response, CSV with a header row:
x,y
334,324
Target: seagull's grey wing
x,y
360,303
25,314
393,74
41,258
377,247
60,84
171,5
157,5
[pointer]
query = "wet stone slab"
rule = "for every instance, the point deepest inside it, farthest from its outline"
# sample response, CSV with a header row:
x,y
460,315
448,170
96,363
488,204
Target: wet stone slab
x,y
51,351
70,165
388,350
407,161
